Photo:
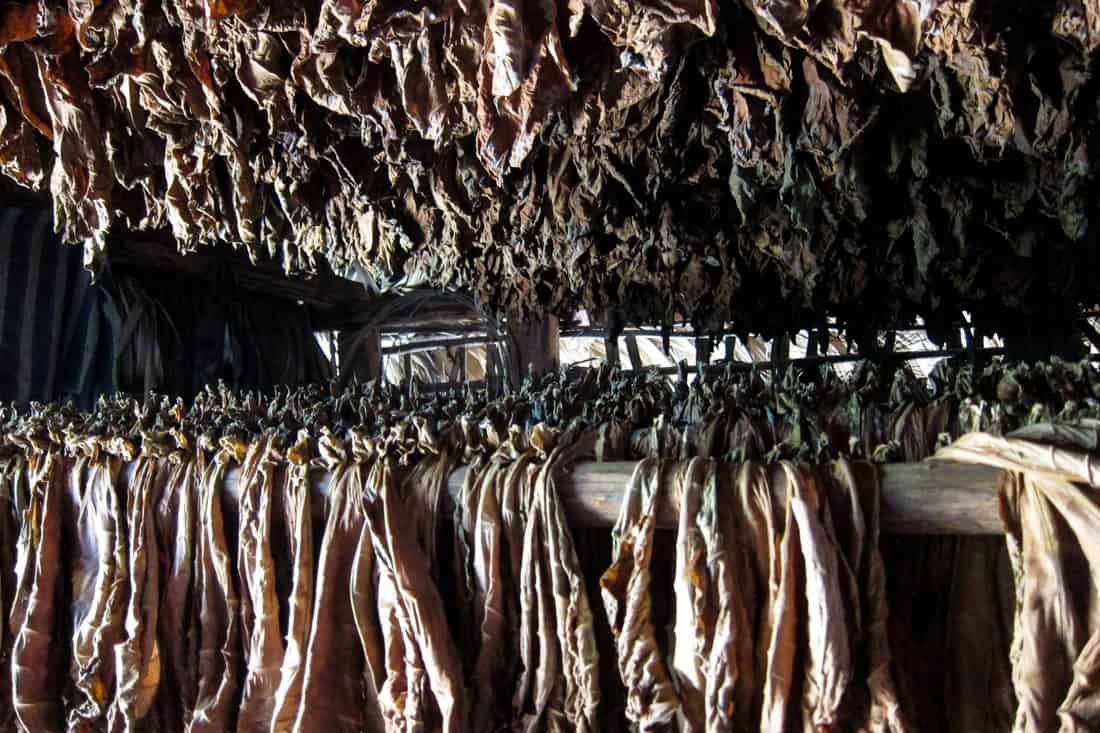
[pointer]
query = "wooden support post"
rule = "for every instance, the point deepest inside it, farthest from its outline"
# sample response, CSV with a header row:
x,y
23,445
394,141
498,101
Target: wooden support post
x,y
889,343
731,348
781,354
533,348
811,343
490,370
954,338
360,355
703,347
633,352
824,340
613,327
611,348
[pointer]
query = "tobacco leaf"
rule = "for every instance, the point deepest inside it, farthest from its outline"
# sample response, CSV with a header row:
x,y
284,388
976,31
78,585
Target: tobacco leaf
x,y
744,161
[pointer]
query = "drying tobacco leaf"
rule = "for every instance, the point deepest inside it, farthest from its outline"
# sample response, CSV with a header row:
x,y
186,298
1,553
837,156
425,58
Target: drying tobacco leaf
x,y
651,696
694,623
1051,519
12,485
97,581
36,689
424,682
749,161
574,622
217,604
137,654
176,517
299,522
490,563
780,605
872,702
261,638
332,692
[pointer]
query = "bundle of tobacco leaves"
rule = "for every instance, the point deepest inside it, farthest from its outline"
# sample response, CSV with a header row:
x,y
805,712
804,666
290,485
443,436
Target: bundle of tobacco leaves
x,y
734,160
806,414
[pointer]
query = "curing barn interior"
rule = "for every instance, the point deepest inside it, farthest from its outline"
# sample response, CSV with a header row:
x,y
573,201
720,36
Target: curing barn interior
x,y
558,365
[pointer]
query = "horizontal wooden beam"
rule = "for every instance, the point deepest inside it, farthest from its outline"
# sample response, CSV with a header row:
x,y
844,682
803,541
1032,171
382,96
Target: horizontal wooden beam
x,y
410,347
926,498
931,497
457,324
420,310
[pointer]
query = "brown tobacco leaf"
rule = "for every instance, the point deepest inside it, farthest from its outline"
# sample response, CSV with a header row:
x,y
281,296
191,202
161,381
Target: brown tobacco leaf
x,y
1051,516
36,689
490,564
95,563
217,607
299,523
559,675
829,663
260,633
366,603
694,626
137,655
19,22
730,161
576,638
732,675
12,481
651,696
334,670
176,516
856,512
423,683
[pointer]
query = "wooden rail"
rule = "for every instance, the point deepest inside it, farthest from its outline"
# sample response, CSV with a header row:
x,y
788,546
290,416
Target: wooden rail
x,y
930,497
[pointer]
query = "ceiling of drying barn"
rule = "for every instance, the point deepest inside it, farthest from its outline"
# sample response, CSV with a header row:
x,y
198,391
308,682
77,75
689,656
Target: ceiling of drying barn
x,y
758,162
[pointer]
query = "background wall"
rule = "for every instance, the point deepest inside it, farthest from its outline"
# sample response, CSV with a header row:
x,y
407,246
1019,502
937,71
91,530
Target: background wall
x,y
64,337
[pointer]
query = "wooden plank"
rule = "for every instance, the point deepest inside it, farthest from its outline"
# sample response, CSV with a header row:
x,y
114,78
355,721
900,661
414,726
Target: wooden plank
x,y
412,312
811,343
458,375
613,328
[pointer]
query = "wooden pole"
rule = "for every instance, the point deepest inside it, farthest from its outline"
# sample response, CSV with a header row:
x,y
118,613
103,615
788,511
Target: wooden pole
x,y
611,351
781,354
634,352
534,348
930,497
703,348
